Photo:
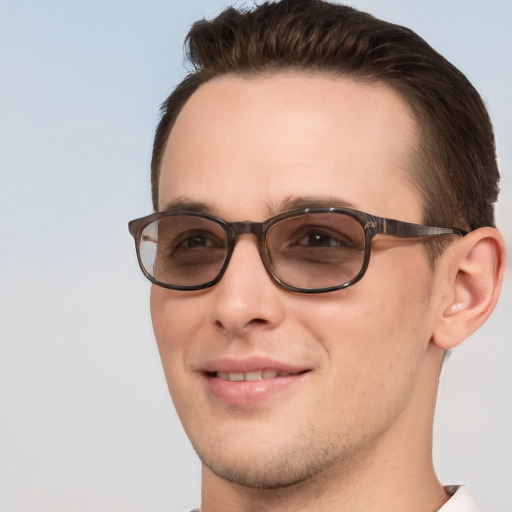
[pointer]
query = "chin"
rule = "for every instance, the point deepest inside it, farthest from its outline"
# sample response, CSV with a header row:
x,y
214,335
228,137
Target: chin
x,y
270,477
273,468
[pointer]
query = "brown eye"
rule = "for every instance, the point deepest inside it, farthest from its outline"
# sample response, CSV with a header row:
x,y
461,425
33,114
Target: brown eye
x,y
319,239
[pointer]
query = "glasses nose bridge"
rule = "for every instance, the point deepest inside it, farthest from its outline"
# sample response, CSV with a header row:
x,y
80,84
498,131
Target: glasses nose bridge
x,y
240,228
252,228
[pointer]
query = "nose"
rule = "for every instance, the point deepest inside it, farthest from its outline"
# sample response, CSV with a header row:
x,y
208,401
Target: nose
x,y
246,298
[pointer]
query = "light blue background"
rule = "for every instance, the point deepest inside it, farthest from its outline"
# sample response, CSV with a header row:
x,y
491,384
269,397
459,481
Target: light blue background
x,y
85,420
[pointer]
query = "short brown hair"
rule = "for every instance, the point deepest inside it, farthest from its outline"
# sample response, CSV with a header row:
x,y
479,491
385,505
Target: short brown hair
x,y
455,170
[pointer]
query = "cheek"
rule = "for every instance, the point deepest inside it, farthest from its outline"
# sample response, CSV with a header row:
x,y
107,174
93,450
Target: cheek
x,y
176,317
176,320
375,335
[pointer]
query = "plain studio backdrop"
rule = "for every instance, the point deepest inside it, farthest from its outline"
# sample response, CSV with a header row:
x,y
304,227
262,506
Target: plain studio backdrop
x,y
86,424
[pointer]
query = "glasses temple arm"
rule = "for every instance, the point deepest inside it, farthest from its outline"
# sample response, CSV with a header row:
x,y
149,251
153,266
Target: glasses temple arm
x,y
410,230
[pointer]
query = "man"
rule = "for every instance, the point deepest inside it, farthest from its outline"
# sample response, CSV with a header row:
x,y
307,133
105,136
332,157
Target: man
x,y
309,139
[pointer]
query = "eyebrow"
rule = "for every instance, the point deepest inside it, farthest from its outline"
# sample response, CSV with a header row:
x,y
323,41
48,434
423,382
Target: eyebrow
x,y
185,204
313,201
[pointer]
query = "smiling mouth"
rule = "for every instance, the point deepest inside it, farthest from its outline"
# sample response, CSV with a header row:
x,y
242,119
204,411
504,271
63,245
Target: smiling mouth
x,y
247,384
253,375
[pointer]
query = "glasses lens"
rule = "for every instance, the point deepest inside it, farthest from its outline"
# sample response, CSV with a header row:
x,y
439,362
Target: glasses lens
x,y
317,250
183,250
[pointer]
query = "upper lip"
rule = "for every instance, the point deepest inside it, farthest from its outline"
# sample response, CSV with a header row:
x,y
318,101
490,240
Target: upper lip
x,y
251,364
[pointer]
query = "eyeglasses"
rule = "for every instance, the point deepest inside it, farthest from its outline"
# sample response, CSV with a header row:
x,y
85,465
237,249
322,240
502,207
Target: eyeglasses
x,y
314,250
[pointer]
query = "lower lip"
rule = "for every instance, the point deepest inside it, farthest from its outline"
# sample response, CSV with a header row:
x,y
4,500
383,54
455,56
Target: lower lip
x,y
247,392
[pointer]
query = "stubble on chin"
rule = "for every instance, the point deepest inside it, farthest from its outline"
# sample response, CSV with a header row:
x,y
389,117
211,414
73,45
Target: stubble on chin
x,y
300,461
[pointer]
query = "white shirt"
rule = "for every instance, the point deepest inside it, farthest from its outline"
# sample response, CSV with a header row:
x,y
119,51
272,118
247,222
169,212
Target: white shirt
x,y
460,501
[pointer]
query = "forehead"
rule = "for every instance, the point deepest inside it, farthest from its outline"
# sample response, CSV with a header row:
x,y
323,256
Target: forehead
x,y
247,142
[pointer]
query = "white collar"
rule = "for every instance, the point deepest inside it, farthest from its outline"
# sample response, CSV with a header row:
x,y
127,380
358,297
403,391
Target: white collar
x,y
460,501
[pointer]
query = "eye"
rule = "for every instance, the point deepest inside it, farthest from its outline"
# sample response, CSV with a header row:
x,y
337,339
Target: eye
x,y
196,241
191,242
319,239
315,238
193,247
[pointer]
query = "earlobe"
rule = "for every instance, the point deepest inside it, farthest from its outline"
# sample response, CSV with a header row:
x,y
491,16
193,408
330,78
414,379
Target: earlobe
x,y
475,270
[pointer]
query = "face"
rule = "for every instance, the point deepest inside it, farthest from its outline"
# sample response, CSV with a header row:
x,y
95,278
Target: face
x,y
275,387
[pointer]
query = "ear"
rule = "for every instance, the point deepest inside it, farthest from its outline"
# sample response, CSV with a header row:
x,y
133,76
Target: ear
x,y
473,269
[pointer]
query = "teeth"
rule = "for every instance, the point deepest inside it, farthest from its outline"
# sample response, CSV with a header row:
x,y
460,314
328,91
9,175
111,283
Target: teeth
x,y
269,374
251,376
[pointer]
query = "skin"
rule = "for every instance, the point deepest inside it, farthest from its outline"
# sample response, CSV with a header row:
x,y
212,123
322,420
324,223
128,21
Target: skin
x,y
354,433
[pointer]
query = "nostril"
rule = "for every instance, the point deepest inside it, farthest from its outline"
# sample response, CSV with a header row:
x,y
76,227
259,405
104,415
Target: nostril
x,y
254,321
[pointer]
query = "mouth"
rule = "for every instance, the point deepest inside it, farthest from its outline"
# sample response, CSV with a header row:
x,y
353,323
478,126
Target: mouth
x,y
249,383
254,375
